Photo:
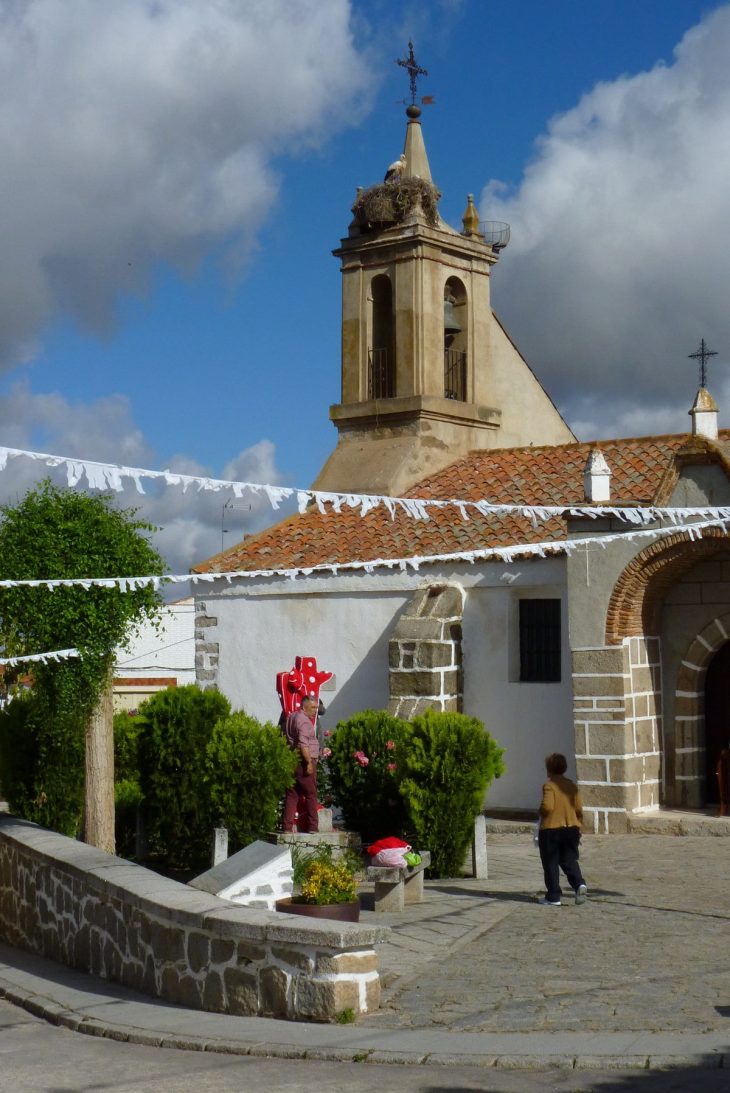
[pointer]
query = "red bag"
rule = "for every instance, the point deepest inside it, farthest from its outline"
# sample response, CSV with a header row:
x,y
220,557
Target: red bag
x,y
390,842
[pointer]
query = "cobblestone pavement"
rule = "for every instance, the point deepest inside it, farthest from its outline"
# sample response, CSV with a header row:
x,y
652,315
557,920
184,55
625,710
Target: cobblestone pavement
x,y
649,951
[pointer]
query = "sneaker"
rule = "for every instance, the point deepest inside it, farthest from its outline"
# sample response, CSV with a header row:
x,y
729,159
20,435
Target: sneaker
x,y
549,902
581,894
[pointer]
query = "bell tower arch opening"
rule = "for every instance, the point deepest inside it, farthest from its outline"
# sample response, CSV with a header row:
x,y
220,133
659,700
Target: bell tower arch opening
x,y
456,330
381,350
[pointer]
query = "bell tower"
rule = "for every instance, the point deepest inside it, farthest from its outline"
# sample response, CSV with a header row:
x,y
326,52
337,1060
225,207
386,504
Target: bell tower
x,y
423,356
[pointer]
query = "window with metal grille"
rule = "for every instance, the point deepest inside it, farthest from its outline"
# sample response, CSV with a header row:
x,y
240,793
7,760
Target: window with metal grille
x,y
539,641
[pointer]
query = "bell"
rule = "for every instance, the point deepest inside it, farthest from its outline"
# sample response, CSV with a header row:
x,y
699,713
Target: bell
x,y
451,326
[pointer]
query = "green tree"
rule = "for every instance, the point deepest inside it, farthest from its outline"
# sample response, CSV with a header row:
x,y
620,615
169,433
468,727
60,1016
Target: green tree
x,y
63,533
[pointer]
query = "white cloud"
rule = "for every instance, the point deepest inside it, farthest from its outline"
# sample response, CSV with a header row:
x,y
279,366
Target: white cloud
x,y
619,261
145,130
190,523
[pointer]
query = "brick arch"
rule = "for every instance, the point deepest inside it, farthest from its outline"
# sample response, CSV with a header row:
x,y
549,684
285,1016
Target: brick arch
x,y
690,709
639,592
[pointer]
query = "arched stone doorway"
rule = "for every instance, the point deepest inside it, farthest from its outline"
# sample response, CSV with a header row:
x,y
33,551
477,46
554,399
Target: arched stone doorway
x,y
717,717
639,700
702,689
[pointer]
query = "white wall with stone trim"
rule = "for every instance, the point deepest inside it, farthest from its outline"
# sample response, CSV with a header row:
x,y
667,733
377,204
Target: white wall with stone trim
x,y
347,621
530,719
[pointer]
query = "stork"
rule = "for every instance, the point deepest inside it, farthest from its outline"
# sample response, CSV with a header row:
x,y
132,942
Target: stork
x,y
396,169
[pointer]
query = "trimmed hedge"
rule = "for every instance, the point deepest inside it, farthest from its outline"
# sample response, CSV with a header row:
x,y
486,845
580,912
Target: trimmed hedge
x,y
448,765
175,727
363,773
430,785
185,764
248,768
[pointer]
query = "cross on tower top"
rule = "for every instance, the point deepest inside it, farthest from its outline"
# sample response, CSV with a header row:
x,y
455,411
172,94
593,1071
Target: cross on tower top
x,y
414,71
702,355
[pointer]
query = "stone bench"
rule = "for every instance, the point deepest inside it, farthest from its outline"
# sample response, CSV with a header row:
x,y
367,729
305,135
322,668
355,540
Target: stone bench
x,y
397,885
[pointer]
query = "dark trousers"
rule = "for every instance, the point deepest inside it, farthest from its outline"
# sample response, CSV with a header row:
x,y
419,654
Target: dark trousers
x,y
559,850
305,785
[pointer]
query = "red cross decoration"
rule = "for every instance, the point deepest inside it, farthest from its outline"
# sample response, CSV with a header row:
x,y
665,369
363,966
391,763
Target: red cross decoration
x,y
303,679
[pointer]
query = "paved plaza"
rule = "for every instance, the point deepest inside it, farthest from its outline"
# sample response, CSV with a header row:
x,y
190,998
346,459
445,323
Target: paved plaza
x,y
480,974
648,952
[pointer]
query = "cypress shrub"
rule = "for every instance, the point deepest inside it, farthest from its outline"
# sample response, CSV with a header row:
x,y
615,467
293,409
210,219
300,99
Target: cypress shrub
x,y
249,766
447,765
363,772
42,762
175,727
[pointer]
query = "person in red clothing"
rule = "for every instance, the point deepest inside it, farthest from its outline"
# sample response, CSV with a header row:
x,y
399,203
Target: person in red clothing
x,y
301,736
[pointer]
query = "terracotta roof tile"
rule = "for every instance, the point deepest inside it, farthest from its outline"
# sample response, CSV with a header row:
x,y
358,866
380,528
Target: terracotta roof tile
x,y
531,476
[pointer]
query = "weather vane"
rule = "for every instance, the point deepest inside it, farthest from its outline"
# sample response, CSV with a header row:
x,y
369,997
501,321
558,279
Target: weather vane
x,y
414,71
702,355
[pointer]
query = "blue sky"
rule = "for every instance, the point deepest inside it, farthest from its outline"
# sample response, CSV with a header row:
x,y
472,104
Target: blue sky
x,y
177,174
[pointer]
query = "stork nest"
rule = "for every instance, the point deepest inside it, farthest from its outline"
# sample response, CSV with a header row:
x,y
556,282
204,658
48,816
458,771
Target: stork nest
x,y
392,202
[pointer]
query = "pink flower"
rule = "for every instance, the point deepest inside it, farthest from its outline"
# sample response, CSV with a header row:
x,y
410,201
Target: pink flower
x,y
392,766
327,732
326,752
361,758
390,745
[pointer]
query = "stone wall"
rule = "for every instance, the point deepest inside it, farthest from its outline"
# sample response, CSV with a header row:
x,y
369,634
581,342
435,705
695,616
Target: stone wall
x,y
424,653
206,650
618,727
104,915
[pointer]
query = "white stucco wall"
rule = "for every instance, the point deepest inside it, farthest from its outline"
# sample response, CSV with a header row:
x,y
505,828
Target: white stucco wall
x,y
167,650
346,622
157,658
530,720
348,632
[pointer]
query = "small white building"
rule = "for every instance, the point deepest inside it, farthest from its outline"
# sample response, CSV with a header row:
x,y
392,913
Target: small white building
x,y
158,657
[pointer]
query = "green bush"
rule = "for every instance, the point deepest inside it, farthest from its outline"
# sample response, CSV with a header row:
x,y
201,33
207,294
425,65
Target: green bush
x,y
42,763
175,727
249,766
127,788
363,773
446,768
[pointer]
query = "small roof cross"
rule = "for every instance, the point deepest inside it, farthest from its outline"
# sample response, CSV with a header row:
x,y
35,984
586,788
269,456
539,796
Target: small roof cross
x,y
702,355
414,71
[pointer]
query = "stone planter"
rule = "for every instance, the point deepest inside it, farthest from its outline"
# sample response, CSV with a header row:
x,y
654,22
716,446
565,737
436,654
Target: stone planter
x,y
344,912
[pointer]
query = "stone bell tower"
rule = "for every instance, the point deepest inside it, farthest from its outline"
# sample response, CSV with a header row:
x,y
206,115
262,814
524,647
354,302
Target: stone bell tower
x,y
428,373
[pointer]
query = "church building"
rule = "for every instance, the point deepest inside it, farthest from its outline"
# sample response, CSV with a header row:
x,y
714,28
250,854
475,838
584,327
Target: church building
x,y
554,628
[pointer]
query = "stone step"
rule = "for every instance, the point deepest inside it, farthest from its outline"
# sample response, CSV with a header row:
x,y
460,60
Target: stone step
x,y
670,822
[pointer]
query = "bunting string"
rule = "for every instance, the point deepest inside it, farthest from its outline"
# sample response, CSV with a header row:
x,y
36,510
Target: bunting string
x,y
43,658
506,554
116,477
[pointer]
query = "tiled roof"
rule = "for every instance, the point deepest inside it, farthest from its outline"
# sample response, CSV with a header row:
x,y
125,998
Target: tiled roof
x,y
550,475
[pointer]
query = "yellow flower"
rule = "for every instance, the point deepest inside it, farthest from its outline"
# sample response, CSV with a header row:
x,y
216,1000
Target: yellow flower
x,y
327,882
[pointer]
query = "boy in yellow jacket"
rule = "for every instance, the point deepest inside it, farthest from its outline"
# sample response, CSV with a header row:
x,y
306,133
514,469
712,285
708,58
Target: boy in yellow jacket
x,y
561,814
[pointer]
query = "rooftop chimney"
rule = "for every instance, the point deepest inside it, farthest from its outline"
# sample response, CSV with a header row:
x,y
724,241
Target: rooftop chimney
x,y
597,478
704,415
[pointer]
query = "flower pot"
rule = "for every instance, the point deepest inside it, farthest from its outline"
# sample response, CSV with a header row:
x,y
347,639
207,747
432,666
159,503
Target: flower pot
x,y
344,912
